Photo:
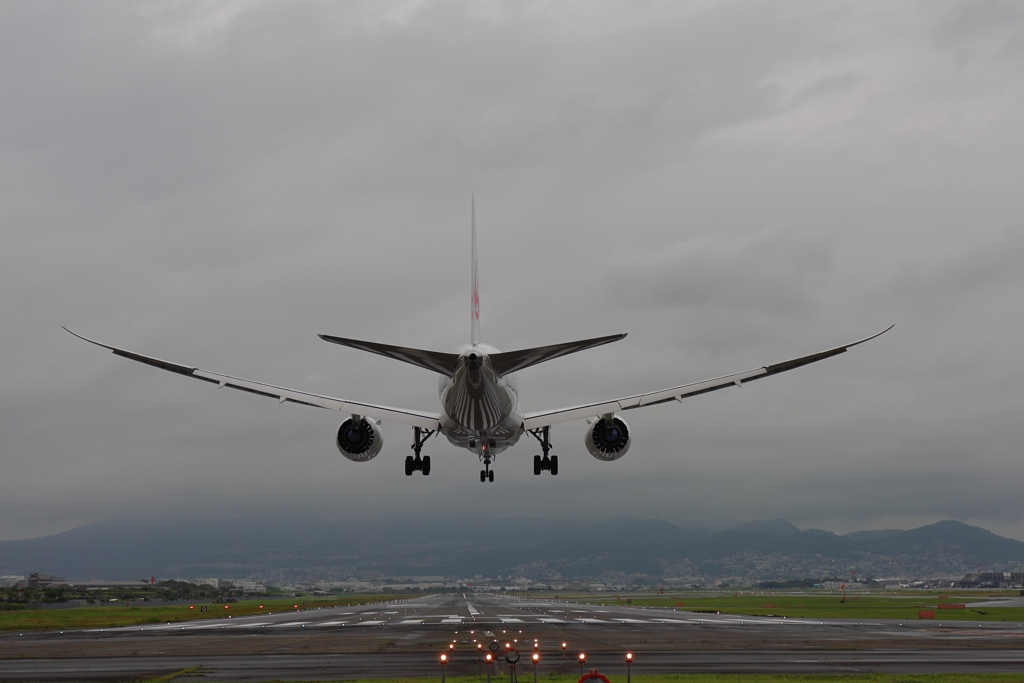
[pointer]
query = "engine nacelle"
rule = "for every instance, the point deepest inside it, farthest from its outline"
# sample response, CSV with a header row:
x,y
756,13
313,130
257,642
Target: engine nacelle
x,y
607,438
360,440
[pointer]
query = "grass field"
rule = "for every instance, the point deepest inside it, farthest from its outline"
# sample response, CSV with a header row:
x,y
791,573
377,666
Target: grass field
x,y
104,616
868,606
713,678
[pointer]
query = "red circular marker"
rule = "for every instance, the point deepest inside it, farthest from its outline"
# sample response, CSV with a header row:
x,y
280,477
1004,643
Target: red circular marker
x,y
593,676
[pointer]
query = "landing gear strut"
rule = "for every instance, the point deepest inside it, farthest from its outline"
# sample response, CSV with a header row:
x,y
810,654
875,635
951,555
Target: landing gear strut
x,y
486,474
549,463
418,464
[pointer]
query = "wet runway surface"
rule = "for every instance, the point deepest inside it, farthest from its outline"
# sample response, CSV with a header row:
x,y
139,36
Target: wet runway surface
x,y
405,637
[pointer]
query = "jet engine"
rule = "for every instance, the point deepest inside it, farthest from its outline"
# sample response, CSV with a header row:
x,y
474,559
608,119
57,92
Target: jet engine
x,y
359,439
607,438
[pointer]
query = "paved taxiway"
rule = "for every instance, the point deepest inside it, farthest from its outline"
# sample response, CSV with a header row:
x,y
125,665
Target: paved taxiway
x,y
404,637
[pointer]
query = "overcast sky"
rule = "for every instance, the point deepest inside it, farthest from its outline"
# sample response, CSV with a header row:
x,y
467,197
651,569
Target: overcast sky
x,y
731,183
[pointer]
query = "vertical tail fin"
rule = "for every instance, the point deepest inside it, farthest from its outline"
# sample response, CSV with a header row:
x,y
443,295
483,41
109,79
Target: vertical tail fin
x,y
474,330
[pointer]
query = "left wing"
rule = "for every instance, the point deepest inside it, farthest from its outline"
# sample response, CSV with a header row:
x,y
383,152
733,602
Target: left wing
x,y
546,418
413,418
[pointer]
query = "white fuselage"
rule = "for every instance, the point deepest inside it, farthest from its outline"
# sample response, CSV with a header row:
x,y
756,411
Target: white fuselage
x,y
481,408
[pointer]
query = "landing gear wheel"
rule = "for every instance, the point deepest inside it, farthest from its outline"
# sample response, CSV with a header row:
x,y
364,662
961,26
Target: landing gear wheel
x,y
490,476
483,476
418,464
545,462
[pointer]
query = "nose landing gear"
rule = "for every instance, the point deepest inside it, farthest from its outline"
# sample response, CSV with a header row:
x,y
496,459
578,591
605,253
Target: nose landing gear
x,y
545,462
418,464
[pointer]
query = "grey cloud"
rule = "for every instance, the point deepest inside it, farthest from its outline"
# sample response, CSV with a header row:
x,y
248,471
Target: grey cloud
x,y
732,184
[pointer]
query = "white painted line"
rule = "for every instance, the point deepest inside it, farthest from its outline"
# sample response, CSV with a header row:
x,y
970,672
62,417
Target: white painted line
x,y
510,620
552,620
369,623
591,621
452,620
633,621
292,623
330,623
411,622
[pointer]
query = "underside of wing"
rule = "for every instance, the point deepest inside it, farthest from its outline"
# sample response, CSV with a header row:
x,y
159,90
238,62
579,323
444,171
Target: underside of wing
x,y
414,418
512,361
439,362
547,418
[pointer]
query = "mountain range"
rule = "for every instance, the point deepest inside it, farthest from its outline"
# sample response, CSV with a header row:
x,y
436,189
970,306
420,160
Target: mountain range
x,y
476,546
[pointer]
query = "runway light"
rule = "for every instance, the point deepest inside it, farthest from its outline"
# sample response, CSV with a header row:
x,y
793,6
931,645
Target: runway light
x,y
629,657
536,658
583,658
488,657
444,658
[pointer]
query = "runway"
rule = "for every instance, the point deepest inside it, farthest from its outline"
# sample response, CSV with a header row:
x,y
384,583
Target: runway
x,y
405,637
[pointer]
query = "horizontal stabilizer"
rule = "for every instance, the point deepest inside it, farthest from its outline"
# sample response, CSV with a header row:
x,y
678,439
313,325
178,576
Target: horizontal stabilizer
x,y
441,363
511,361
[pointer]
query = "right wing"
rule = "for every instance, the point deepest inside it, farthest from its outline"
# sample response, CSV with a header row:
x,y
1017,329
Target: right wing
x,y
413,418
546,418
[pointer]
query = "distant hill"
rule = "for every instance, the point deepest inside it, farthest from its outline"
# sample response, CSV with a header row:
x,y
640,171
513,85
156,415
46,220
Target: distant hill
x,y
774,527
537,548
872,535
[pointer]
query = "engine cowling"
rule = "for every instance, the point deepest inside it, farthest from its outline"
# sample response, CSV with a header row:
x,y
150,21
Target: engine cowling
x,y
359,440
607,438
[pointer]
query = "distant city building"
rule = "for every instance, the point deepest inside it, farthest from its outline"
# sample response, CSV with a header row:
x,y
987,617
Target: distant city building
x,y
992,579
37,580
10,580
251,586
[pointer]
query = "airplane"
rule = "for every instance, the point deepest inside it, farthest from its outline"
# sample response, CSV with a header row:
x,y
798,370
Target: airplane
x,y
479,395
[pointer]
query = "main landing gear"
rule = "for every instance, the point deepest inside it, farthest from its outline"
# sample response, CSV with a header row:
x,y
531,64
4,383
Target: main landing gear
x,y
486,474
418,464
548,463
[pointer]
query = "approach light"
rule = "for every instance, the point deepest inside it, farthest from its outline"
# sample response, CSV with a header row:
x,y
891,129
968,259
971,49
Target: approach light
x,y
488,657
629,658
191,606
536,658
444,658
451,646
583,658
